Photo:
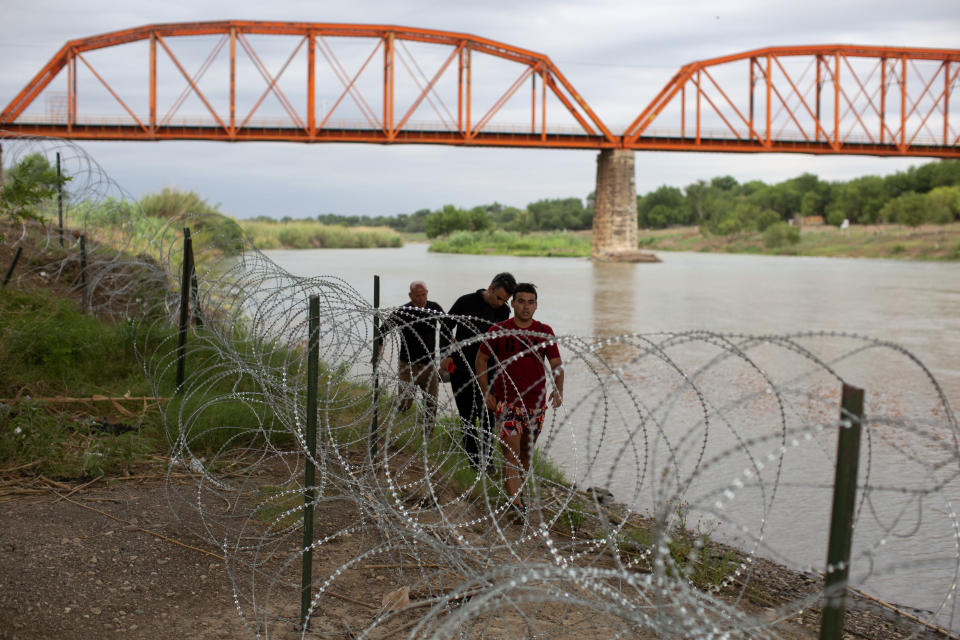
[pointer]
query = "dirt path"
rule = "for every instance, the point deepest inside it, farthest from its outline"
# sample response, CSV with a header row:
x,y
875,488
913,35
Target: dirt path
x,y
103,570
112,561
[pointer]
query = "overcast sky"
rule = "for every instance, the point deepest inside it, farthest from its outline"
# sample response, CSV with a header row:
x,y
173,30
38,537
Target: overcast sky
x,y
618,54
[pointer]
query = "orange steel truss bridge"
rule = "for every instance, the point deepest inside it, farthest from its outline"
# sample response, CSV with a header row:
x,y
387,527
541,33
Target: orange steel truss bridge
x,y
316,82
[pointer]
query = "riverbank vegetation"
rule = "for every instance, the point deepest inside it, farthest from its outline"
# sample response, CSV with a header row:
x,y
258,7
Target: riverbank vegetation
x,y
924,194
928,194
794,216
304,234
496,242
925,242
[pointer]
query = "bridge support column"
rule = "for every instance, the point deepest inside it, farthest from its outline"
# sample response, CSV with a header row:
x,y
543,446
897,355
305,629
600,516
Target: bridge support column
x,y
615,209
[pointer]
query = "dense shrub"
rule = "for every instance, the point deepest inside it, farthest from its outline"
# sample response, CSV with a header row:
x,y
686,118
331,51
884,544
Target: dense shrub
x,y
780,235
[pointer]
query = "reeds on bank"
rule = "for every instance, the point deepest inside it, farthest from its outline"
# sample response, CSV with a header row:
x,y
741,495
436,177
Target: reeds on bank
x,y
304,234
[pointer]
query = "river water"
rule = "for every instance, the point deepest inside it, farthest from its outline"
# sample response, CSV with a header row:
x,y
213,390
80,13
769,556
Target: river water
x,y
906,539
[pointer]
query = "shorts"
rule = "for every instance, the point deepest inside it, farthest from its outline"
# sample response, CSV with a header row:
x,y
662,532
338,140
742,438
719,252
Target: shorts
x,y
514,420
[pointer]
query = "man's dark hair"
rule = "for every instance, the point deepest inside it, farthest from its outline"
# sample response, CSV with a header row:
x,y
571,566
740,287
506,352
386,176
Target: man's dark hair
x,y
526,287
504,281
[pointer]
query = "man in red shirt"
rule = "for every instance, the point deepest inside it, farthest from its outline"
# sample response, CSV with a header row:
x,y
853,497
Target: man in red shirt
x,y
518,394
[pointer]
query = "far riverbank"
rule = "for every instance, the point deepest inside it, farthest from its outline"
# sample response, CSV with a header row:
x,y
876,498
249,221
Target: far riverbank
x,y
925,242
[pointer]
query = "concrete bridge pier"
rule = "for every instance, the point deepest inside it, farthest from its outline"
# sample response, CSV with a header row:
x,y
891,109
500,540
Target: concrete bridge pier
x,y
615,209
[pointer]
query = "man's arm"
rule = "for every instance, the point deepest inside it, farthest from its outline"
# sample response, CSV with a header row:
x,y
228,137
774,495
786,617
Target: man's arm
x,y
481,367
556,396
448,329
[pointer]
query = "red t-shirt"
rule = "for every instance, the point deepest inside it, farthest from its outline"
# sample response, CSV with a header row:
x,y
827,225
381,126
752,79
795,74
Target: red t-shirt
x,y
518,373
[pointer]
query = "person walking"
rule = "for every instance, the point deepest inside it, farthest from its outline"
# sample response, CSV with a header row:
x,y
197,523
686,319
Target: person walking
x,y
419,323
518,393
469,317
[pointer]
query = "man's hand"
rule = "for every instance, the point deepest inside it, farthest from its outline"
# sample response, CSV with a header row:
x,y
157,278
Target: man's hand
x,y
490,401
556,397
445,363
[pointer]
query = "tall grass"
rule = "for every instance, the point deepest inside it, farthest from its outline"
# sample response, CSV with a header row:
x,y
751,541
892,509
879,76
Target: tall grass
x,y
49,347
556,244
65,446
302,234
128,227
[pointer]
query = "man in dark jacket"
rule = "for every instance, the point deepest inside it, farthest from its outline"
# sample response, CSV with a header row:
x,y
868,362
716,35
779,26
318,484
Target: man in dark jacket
x,y
470,317
418,322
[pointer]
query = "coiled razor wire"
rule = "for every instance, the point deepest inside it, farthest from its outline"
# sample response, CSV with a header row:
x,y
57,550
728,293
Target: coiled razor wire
x,y
682,471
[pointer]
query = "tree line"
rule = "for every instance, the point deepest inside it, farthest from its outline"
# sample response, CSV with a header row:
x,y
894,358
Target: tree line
x,y
928,193
543,215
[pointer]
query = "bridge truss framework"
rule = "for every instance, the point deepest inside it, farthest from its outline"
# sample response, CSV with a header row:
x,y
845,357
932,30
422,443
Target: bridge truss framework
x,y
824,99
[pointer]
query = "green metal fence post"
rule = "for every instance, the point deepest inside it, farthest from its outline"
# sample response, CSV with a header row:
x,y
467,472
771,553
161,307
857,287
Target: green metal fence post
x,y
841,520
13,264
59,199
376,377
184,306
84,300
309,492
195,291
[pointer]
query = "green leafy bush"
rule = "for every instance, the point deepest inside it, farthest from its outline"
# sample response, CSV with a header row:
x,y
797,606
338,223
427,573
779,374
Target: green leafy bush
x,y
780,234
27,187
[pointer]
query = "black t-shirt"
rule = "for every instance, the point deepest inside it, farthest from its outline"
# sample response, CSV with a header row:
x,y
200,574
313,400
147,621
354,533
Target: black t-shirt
x,y
418,330
480,316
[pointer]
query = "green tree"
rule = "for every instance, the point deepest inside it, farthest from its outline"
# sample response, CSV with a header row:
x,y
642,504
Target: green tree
x,y
662,208
724,211
922,179
909,208
858,200
724,183
696,201
417,222
27,187
765,218
783,198
944,204
451,218
559,213
812,204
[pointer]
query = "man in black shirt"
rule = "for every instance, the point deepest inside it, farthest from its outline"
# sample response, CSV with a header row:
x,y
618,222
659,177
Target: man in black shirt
x,y
417,322
469,317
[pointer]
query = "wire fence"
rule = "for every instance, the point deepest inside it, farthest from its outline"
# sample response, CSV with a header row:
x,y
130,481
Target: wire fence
x,y
682,489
